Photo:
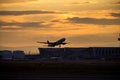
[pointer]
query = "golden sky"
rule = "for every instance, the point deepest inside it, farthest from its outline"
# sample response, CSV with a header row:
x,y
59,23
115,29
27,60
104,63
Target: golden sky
x,y
84,23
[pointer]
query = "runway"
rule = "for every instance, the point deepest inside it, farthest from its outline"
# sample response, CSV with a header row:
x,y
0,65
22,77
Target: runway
x,y
64,70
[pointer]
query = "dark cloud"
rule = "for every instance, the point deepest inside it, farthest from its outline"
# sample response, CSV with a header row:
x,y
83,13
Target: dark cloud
x,y
55,21
94,21
14,1
9,28
23,24
78,3
117,2
4,13
115,14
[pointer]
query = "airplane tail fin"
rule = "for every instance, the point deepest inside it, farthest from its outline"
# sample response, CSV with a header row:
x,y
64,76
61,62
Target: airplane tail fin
x,y
48,42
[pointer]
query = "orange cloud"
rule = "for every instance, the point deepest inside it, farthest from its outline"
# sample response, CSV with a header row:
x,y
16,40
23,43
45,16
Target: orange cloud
x,y
12,18
15,1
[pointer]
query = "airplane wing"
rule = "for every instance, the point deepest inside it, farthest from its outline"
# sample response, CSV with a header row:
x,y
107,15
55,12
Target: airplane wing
x,y
65,43
42,42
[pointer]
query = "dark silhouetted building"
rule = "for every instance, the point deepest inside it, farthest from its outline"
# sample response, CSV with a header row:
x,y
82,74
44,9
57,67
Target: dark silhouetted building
x,y
5,55
90,53
18,55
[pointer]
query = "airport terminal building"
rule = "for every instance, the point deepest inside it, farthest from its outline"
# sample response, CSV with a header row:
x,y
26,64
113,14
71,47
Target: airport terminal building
x,y
90,53
67,53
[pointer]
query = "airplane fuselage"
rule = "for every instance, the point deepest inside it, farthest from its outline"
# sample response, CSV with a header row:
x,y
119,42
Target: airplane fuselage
x,y
60,41
56,43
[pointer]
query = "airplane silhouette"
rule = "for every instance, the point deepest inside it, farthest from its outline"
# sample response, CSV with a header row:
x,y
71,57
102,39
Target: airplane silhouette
x,y
119,37
56,43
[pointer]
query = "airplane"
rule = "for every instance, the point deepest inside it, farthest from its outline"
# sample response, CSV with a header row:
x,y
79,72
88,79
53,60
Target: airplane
x,y
56,43
119,37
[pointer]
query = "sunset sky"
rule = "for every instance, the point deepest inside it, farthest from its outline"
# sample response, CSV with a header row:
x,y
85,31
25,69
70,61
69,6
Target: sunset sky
x,y
84,23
